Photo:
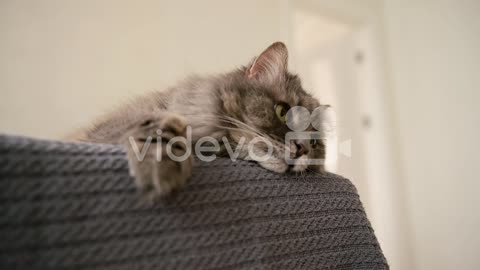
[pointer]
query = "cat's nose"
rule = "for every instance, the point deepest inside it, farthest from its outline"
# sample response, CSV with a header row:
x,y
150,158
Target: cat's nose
x,y
302,148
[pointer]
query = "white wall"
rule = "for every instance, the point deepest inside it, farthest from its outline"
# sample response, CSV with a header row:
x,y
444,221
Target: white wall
x,y
65,61
334,32
62,62
434,55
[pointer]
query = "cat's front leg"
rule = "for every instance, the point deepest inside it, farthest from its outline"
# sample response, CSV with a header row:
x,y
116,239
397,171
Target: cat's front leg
x,y
159,154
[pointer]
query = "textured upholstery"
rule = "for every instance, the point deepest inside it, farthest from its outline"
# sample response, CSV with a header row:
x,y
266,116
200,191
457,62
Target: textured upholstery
x,y
74,206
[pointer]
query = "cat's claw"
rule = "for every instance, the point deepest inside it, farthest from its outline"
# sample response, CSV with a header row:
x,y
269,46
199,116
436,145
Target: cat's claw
x,y
157,172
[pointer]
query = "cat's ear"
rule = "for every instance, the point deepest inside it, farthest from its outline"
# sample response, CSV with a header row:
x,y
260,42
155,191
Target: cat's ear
x,y
270,66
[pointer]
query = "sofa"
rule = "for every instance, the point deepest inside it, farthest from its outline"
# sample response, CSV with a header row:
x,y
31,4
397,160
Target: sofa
x,y
68,205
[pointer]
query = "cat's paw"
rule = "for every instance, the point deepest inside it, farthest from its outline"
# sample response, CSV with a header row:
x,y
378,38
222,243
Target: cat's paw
x,y
159,167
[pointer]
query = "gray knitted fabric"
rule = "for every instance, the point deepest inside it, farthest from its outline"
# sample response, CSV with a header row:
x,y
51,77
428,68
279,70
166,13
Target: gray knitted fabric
x,y
74,206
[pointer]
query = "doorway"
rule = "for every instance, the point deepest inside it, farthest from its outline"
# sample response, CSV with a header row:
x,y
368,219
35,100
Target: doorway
x,y
327,58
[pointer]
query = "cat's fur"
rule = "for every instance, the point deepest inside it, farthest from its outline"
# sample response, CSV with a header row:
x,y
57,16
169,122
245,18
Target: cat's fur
x,y
235,105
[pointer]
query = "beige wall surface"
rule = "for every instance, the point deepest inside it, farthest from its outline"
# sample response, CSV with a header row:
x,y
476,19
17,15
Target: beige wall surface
x,y
63,62
433,49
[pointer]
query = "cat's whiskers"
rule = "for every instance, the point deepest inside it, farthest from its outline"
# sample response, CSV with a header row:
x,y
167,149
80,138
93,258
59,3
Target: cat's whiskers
x,y
312,171
230,123
247,128
270,137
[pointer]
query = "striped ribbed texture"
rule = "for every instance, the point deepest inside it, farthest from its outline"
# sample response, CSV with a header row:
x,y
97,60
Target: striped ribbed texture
x,y
74,206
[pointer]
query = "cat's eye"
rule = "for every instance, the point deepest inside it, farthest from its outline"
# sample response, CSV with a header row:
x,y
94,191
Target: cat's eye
x,y
281,110
313,143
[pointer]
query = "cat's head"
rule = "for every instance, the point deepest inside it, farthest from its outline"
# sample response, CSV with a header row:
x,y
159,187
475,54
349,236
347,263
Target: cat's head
x,y
264,93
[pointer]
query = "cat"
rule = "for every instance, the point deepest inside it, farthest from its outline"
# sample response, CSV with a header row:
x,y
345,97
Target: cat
x,y
249,102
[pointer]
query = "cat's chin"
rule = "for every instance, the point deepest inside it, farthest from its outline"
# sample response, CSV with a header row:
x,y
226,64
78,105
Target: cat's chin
x,y
300,165
281,166
275,165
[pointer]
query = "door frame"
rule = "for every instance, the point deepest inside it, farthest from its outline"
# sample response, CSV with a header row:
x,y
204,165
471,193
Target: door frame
x,y
385,199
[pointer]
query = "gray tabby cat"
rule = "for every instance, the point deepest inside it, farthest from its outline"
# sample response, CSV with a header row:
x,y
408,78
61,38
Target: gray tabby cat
x,y
241,105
